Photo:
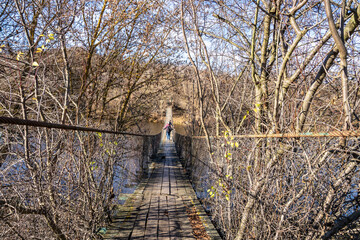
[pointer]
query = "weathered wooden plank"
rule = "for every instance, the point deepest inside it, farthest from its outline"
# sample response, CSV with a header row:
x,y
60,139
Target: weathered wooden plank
x,y
163,233
180,183
123,221
152,223
174,223
172,178
165,188
174,214
156,179
184,222
139,227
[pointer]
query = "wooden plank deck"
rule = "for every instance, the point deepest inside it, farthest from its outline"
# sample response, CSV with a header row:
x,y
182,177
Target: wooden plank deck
x,y
159,207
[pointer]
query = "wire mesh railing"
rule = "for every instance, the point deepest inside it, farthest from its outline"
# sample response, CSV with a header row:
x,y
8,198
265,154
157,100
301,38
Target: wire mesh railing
x,y
284,188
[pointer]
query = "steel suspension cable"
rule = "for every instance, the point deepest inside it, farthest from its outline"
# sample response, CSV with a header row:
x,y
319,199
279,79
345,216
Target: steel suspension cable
x,y
18,121
293,135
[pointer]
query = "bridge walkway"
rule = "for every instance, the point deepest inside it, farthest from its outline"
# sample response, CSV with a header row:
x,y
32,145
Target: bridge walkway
x,y
164,206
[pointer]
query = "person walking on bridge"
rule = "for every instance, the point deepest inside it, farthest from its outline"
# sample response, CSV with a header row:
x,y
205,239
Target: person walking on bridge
x,y
168,127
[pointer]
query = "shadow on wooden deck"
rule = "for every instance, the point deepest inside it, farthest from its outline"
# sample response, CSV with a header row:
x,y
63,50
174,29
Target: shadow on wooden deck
x,y
159,207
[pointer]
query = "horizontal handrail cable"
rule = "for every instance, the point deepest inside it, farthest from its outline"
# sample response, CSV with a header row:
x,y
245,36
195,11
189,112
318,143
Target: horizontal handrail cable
x,y
18,121
292,135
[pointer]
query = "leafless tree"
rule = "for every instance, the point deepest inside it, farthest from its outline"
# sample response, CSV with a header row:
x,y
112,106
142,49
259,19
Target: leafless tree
x,y
280,189
68,62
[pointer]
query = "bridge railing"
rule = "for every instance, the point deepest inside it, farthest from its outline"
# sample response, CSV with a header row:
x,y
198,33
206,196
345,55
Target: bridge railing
x,y
183,148
66,178
301,183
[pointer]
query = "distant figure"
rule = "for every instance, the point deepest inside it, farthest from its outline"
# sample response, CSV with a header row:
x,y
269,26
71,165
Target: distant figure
x,y
168,127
